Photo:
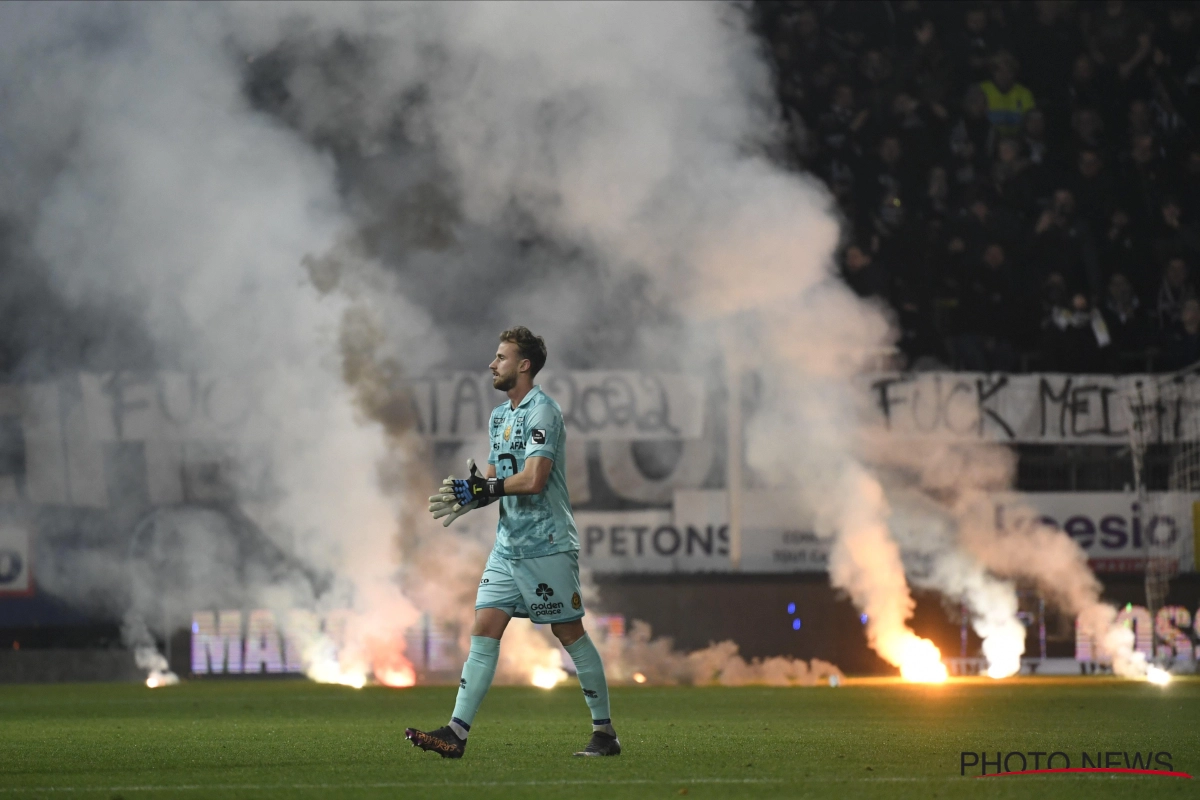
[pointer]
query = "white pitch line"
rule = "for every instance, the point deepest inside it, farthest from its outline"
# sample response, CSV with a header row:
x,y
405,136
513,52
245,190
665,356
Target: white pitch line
x,y
469,784
386,785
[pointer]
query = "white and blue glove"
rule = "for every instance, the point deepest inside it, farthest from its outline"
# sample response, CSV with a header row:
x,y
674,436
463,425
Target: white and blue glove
x,y
457,496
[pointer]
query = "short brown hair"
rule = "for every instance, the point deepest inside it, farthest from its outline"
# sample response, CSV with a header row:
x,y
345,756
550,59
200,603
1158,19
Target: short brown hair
x,y
528,346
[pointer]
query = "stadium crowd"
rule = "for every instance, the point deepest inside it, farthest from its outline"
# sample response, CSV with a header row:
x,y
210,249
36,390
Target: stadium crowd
x,y
1020,180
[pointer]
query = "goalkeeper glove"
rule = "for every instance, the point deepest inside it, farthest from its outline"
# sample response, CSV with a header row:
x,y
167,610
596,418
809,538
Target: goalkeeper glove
x,y
475,489
448,502
444,505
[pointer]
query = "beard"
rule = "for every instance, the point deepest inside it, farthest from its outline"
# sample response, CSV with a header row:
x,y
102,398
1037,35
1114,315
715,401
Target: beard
x,y
504,383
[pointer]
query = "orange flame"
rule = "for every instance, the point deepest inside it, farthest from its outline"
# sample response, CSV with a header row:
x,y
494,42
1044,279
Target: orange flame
x,y
398,678
921,662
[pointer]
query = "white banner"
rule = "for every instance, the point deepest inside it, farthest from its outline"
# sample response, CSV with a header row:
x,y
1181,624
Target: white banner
x,y
1041,408
600,404
694,537
1116,534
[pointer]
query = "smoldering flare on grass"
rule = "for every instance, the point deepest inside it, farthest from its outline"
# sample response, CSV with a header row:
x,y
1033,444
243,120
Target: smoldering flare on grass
x,y
926,531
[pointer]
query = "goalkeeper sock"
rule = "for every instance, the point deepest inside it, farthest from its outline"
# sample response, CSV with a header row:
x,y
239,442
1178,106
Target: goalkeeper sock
x,y
590,669
477,674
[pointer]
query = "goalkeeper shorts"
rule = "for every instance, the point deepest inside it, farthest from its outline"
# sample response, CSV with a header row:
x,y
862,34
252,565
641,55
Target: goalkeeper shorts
x,y
544,589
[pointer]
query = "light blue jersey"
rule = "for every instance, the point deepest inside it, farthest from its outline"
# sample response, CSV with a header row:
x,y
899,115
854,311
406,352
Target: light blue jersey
x,y
538,524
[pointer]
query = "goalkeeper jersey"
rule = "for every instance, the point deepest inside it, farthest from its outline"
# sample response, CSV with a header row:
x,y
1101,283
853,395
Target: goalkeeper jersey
x,y
537,524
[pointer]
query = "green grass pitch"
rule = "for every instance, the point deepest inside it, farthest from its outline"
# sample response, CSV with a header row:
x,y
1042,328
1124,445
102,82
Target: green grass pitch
x,y
868,739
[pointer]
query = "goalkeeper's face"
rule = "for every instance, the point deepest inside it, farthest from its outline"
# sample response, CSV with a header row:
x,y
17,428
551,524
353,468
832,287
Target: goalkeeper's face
x,y
506,366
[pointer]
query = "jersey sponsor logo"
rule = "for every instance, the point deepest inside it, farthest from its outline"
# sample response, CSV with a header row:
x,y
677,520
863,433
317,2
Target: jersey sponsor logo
x,y
538,436
547,609
576,603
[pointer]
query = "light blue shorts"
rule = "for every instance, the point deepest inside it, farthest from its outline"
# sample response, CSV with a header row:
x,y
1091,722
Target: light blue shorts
x,y
544,589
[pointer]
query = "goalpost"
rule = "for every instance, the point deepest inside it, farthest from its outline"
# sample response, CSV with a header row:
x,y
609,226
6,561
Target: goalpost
x,y
1164,432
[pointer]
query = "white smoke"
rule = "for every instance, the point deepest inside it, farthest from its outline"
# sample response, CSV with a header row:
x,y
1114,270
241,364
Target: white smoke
x,y
632,140
177,203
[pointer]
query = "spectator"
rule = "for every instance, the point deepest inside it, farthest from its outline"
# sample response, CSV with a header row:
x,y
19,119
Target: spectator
x,y
1119,38
938,203
971,138
1140,120
1063,243
1094,189
808,48
983,221
929,67
976,43
1033,137
1177,42
1189,185
1121,251
920,128
1176,234
1047,46
988,303
1083,89
1087,129
837,132
876,86
1007,100
886,180
1174,290
1012,178
863,275
1144,185
1183,346
1123,315
1075,337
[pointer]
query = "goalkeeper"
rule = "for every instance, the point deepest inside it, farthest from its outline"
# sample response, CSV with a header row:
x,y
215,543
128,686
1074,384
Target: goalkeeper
x,y
533,571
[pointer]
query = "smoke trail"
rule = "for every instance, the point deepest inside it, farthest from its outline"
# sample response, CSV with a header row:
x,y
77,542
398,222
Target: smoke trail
x,y
160,194
950,488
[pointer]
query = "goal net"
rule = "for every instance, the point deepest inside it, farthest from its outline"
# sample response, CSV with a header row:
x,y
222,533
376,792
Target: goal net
x,y
1164,431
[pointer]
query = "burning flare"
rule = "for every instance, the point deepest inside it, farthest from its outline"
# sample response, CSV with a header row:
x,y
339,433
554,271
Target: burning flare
x,y
331,672
158,679
921,662
1157,676
400,678
150,659
547,677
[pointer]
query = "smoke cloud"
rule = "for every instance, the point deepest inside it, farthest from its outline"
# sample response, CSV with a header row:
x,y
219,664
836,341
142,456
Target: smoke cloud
x,y
319,202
